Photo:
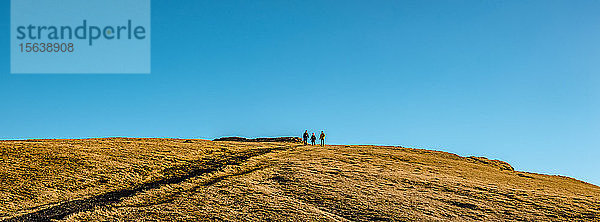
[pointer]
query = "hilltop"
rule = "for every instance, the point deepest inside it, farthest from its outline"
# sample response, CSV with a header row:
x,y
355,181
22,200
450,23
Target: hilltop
x,y
132,179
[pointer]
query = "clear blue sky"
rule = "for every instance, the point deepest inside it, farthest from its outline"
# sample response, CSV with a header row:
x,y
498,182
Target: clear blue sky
x,y
510,80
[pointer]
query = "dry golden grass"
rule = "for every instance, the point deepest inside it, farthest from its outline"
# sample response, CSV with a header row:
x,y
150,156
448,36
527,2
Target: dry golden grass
x,y
190,180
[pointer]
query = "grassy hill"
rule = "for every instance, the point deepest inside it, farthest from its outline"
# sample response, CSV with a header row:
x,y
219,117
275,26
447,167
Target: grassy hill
x,y
125,179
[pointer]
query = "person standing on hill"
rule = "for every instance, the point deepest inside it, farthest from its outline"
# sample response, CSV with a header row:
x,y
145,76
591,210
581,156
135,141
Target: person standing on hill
x,y
322,138
305,137
313,139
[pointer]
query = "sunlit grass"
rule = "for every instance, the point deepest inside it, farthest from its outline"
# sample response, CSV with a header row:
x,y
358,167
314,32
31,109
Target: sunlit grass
x,y
278,181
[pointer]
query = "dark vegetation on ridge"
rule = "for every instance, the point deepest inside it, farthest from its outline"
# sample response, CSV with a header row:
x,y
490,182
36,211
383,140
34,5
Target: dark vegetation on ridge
x,y
266,139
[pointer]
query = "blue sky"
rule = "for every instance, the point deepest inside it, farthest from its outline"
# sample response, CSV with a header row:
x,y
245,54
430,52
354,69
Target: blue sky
x,y
510,80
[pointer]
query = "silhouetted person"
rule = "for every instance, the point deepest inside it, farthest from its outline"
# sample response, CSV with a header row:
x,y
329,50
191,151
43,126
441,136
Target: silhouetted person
x,y
305,137
322,138
313,139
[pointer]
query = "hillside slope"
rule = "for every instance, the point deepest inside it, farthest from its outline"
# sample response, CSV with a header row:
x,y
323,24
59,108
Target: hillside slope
x,y
185,180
